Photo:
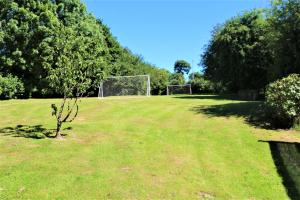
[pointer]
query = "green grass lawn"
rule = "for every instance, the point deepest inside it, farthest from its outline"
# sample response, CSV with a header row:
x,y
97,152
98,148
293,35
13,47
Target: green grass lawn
x,y
140,148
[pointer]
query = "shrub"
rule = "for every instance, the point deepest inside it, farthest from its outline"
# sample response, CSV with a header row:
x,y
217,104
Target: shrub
x,y
283,101
176,79
201,85
10,87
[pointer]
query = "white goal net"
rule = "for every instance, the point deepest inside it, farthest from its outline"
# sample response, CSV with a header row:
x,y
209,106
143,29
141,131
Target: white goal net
x,y
138,85
179,89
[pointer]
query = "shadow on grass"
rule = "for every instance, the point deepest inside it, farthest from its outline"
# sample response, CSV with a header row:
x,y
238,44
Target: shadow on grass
x,y
208,96
252,111
286,157
35,132
26,131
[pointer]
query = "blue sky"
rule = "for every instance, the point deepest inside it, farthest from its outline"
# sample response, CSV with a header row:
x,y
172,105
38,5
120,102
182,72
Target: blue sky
x,y
163,31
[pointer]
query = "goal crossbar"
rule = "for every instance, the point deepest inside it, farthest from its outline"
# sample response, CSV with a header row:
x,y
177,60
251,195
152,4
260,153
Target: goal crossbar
x,y
181,85
127,76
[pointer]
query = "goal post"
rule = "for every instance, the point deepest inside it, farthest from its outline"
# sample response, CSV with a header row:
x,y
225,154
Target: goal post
x,y
138,85
179,89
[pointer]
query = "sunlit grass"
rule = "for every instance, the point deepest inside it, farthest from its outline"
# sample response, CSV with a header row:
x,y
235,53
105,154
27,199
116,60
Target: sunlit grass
x,y
138,148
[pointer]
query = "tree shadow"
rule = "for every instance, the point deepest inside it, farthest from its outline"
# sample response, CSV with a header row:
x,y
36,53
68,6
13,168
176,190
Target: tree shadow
x,y
252,111
208,96
286,157
26,131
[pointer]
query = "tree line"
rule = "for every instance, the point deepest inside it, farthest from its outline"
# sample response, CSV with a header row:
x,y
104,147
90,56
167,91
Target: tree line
x,y
34,35
55,48
257,53
255,48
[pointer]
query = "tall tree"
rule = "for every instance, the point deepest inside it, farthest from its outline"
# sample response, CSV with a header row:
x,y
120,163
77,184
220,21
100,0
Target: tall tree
x,y
182,67
238,54
27,33
285,23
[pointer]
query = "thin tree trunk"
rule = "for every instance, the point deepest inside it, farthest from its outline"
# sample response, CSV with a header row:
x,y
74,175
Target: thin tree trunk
x,y
59,120
58,133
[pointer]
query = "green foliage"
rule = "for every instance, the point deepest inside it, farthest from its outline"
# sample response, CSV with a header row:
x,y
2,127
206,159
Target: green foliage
x,y
54,47
10,87
29,30
78,63
159,80
78,67
176,79
283,99
238,55
256,48
284,19
182,66
200,85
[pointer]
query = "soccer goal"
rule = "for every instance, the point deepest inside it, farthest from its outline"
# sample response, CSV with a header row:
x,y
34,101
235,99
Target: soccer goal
x,y
138,85
179,89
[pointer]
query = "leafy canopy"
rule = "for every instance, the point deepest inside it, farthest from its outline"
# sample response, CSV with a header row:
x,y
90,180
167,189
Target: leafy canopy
x,y
176,79
238,54
200,84
28,38
284,20
182,67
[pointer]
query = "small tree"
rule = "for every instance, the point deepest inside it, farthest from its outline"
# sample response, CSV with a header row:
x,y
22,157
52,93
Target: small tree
x,y
182,66
78,68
